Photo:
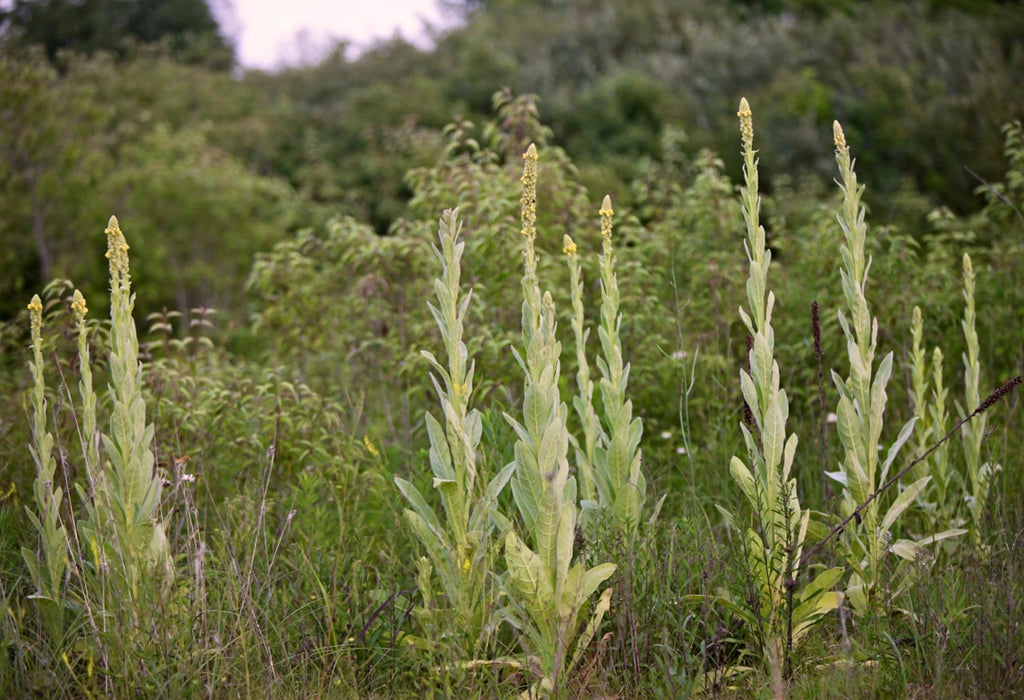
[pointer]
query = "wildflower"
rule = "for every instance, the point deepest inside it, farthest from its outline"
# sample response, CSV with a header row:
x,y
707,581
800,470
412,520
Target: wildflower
x,y
570,246
666,434
746,123
831,418
529,199
679,355
117,253
35,308
839,137
680,450
606,217
78,306
370,447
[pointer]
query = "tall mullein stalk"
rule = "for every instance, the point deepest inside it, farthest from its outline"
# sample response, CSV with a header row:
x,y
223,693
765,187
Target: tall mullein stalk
x,y
919,395
861,409
939,466
780,614
621,486
460,546
122,526
48,566
583,402
547,590
89,434
979,474
928,396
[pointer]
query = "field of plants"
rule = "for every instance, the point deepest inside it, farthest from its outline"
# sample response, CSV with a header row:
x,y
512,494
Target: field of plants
x,y
377,383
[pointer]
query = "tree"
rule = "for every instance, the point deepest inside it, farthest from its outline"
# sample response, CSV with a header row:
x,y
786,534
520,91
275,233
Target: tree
x,y
188,27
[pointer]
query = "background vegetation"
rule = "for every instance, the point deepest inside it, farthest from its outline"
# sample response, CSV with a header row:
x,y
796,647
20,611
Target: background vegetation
x,y
281,227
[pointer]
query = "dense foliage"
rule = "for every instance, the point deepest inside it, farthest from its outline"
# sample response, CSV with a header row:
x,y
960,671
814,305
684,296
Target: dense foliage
x,y
284,245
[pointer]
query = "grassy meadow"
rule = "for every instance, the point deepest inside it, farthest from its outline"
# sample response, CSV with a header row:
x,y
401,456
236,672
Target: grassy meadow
x,y
744,434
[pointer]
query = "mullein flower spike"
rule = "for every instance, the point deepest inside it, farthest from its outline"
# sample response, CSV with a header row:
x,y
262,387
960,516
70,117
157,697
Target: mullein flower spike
x,y
529,199
78,306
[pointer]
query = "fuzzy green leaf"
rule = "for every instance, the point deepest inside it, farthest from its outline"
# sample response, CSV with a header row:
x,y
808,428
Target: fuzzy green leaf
x,y
903,501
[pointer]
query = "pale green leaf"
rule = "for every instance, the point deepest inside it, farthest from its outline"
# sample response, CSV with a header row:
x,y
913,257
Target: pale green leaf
x,y
903,501
905,432
906,549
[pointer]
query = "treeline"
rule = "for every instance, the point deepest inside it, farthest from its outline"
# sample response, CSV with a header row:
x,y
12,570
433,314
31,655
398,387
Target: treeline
x,y
143,116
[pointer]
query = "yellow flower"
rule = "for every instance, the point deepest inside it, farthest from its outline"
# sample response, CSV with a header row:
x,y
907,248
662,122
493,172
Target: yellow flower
x,y
606,217
529,200
370,447
117,250
78,306
838,136
746,124
35,308
570,246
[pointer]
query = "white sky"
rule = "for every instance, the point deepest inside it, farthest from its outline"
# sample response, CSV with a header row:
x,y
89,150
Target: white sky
x,y
270,33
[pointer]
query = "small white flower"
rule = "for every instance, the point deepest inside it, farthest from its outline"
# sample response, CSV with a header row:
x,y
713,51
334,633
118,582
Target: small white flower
x,y
831,418
680,450
188,477
666,434
679,355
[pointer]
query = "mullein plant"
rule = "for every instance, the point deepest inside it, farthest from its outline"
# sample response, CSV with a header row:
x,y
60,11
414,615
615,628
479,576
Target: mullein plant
x,y
979,475
460,542
47,566
548,592
121,528
860,414
609,458
928,396
780,611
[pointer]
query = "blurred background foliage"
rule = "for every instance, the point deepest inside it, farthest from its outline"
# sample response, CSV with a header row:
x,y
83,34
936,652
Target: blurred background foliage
x,y
301,203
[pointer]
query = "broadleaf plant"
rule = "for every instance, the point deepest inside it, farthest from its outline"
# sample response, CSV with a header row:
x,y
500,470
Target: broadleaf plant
x,y
548,590
460,540
861,411
780,613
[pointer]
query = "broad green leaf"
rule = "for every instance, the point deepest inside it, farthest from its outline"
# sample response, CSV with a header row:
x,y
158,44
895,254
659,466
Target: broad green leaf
x,y
587,635
545,531
415,499
564,542
849,424
905,432
750,396
440,454
773,437
944,535
807,614
903,501
788,456
906,549
528,575
745,480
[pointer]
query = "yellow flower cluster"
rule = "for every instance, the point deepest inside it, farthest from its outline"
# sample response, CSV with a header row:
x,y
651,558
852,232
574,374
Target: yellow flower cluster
x,y
78,306
370,447
606,217
838,136
35,308
529,200
569,247
746,124
117,250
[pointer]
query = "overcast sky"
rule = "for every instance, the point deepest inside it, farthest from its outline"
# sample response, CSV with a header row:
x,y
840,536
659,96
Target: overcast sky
x,y
266,32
